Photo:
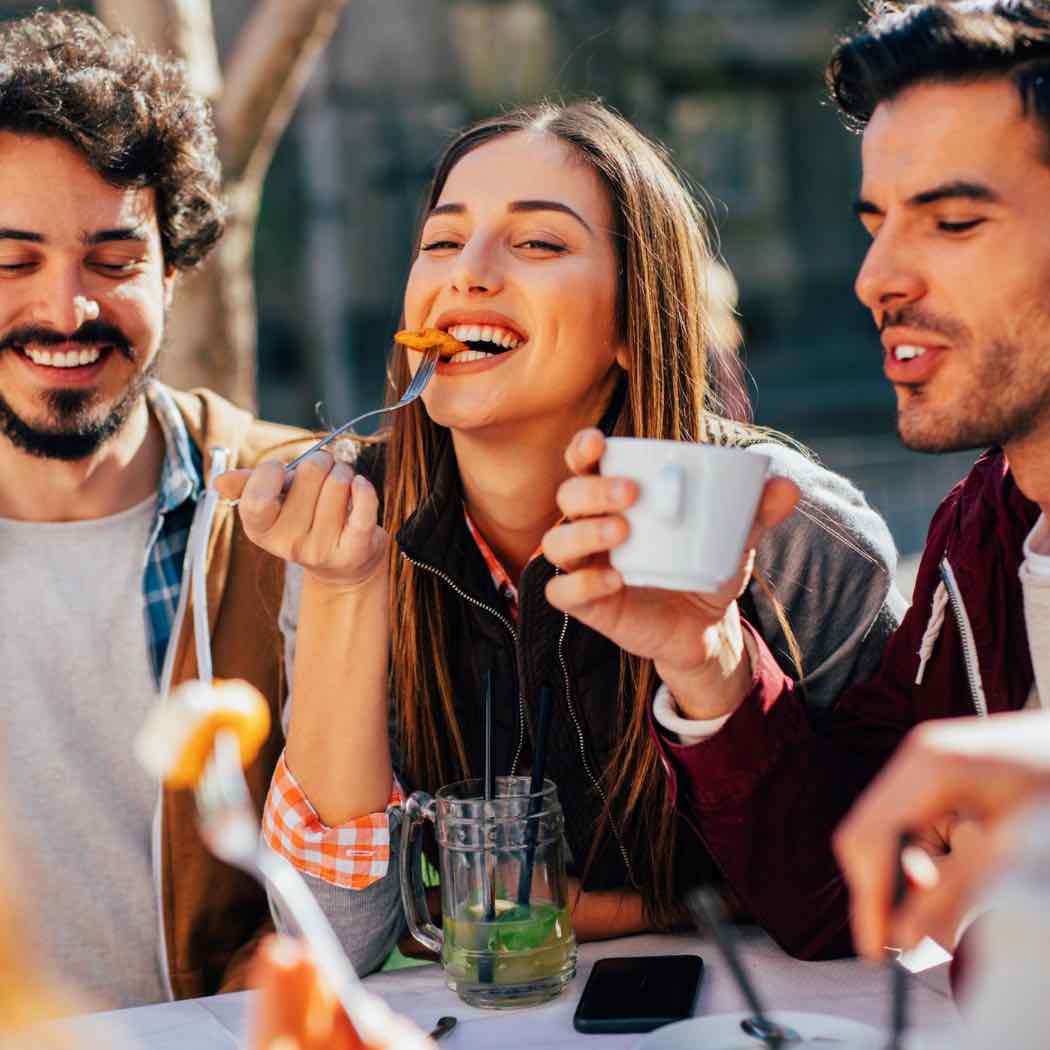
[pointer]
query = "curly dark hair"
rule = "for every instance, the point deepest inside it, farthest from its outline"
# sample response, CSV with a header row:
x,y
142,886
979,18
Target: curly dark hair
x,y
129,112
905,43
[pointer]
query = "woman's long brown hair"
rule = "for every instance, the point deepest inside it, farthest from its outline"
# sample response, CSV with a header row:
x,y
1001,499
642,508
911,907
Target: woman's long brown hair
x,y
678,374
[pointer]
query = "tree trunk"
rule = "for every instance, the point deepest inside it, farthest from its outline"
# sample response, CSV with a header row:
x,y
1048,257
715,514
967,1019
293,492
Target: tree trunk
x,y
211,336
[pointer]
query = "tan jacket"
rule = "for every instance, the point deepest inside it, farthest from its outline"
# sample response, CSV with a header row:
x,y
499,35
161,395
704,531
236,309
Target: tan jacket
x,y
213,916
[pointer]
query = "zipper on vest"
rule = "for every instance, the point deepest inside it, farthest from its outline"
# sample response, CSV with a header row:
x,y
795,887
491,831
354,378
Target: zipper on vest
x,y
583,750
444,576
521,698
969,646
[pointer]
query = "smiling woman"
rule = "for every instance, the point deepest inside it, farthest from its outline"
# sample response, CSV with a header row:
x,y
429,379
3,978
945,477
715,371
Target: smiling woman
x,y
561,247
532,284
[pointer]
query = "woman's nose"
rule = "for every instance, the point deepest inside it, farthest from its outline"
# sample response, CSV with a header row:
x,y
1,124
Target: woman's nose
x,y
477,271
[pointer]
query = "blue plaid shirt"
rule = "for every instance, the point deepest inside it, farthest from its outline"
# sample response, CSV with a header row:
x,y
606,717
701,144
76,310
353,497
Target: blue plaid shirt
x,y
181,483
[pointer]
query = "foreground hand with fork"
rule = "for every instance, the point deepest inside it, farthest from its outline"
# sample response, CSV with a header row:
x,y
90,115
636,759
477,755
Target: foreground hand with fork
x,y
296,1011
201,737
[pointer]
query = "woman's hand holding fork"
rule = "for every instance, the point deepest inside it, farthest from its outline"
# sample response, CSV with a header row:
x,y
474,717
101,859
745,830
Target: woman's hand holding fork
x,y
326,521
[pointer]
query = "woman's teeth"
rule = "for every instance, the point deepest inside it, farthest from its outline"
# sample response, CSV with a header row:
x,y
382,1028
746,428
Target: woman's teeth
x,y
469,355
908,353
473,333
64,358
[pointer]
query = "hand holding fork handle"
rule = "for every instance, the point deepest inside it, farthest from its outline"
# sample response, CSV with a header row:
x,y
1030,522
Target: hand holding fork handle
x,y
423,374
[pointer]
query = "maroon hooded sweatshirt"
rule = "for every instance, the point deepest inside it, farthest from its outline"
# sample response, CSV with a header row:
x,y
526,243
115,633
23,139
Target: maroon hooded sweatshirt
x,y
766,792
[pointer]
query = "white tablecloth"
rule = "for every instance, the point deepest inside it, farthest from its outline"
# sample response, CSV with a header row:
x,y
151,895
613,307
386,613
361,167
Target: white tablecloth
x,y
846,987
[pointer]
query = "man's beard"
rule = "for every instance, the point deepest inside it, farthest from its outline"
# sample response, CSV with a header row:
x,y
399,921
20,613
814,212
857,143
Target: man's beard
x,y
989,423
76,432
1005,402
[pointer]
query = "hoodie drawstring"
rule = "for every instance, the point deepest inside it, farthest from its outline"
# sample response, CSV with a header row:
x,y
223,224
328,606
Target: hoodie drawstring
x,y
933,629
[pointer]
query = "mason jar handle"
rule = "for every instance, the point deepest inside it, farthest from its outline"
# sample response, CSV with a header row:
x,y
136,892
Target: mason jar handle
x,y
419,807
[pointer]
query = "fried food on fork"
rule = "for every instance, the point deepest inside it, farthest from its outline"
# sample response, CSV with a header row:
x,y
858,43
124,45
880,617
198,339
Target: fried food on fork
x,y
177,739
428,338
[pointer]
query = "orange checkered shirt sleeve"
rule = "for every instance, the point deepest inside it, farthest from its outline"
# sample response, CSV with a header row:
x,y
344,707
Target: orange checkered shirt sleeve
x,y
353,855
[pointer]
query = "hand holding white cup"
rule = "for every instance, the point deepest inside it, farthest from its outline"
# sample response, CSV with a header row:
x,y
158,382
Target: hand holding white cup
x,y
655,555
693,514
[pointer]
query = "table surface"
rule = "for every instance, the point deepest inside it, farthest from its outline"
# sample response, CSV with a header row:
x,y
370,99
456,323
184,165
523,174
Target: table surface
x,y
846,987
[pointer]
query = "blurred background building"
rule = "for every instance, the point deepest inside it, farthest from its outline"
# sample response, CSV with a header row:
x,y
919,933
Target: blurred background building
x,y
733,87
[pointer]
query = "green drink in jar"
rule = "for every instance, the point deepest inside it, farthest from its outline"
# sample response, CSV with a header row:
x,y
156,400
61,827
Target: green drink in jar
x,y
496,950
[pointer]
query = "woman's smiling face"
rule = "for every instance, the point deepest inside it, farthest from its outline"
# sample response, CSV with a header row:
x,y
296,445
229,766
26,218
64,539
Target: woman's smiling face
x,y
517,258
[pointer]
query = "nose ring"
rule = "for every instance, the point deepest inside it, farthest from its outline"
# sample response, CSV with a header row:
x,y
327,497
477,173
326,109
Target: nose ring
x,y
91,309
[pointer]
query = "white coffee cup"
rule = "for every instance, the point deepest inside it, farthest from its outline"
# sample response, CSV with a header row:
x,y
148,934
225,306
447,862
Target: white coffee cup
x,y
695,508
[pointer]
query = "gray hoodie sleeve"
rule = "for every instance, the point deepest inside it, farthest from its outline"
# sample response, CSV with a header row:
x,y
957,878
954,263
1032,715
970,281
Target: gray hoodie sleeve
x,y
368,922
831,567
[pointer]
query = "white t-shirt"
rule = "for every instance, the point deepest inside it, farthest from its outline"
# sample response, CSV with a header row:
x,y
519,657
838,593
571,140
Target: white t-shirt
x,y
1035,585
77,684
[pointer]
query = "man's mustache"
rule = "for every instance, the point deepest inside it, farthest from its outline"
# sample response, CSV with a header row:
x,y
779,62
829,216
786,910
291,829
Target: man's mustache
x,y
90,333
914,317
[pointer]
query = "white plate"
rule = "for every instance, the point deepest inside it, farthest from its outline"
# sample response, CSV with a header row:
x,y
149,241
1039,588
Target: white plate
x,y
723,1032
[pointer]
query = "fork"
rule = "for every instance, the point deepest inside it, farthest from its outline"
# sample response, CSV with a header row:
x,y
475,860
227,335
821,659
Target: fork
x,y
415,387
230,829
412,391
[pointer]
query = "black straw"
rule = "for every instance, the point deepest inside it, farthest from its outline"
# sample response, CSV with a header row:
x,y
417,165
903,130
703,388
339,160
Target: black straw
x,y
485,973
899,975
539,763
490,778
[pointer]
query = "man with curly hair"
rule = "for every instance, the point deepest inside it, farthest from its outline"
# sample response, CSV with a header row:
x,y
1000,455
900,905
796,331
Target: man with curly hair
x,y
109,189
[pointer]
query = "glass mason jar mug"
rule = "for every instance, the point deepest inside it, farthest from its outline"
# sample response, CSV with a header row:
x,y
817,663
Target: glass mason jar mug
x,y
507,938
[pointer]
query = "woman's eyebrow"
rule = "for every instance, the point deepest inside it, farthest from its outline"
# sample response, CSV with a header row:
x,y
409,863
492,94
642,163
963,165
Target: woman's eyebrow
x,y
548,206
516,206
447,209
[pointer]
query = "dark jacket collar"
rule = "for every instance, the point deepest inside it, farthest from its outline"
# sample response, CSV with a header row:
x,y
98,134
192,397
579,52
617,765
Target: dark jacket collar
x,y
436,534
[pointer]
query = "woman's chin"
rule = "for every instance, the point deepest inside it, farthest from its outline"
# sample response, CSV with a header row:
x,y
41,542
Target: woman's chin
x,y
464,417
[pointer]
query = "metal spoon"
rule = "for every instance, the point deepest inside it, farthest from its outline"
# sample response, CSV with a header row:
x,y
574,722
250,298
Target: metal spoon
x,y
443,1027
769,1032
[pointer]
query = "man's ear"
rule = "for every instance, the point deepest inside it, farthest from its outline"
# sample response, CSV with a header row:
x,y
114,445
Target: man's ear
x,y
170,276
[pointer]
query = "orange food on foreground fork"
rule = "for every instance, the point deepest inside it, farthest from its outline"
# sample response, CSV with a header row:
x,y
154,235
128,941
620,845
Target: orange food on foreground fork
x,y
428,338
295,1009
177,739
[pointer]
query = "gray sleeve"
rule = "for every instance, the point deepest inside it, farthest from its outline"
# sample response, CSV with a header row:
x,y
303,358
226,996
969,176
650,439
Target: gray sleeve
x,y
831,568
368,922
288,622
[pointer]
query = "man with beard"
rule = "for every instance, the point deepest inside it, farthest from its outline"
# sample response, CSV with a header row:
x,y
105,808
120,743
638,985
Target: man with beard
x,y
954,103
109,187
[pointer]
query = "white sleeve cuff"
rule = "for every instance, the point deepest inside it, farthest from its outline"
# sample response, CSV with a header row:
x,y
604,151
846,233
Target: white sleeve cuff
x,y
692,730
1036,564
688,730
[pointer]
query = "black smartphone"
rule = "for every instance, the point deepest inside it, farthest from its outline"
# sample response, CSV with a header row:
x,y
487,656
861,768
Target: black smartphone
x,y
638,993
